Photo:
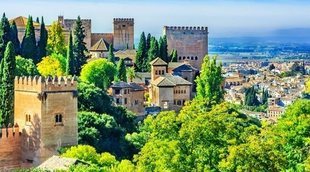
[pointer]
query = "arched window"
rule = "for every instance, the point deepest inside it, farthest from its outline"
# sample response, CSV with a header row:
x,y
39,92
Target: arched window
x,y
184,57
192,58
180,58
28,118
196,58
58,119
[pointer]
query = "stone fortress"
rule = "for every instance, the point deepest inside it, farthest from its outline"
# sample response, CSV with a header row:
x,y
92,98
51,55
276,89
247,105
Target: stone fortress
x,y
190,42
45,117
122,37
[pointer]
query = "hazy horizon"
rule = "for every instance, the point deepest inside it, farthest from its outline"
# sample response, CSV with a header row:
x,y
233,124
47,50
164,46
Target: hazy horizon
x,y
225,18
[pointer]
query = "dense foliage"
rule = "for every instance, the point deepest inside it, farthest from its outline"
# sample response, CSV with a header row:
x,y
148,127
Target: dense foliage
x,y
56,39
99,72
25,67
52,65
28,48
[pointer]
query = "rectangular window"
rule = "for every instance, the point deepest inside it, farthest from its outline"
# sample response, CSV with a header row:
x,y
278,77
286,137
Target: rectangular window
x,y
117,101
136,102
117,92
125,101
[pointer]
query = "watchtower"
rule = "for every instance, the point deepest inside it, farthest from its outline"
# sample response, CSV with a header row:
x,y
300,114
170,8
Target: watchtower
x,y
123,31
190,42
46,111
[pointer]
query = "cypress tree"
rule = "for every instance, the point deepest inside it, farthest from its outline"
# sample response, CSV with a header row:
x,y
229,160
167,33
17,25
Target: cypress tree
x,y
1,97
7,85
163,49
28,49
79,46
38,20
14,38
174,56
141,54
4,34
152,53
121,69
70,64
148,42
111,56
42,42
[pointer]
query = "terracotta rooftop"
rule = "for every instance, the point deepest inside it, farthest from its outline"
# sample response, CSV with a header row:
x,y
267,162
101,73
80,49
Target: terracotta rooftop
x,y
158,62
170,80
22,22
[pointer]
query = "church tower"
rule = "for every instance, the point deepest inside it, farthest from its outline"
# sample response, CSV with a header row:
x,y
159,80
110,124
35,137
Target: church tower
x,y
123,33
46,111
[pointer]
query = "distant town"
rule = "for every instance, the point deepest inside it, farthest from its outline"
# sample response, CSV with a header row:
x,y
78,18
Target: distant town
x,y
73,87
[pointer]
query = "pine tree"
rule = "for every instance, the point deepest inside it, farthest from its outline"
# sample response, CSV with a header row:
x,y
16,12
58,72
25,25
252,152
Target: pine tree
x,y
121,69
209,82
7,84
14,38
70,63
111,56
42,44
152,53
4,34
141,54
174,56
38,20
163,49
79,45
29,41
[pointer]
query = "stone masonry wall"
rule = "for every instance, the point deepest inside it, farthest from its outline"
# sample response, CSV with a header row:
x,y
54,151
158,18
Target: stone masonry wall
x,y
190,42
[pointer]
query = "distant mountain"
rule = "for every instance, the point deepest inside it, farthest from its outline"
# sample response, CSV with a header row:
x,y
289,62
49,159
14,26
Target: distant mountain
x,y
294,35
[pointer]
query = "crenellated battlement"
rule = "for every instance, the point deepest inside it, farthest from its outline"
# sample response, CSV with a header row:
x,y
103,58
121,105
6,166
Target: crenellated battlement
x,y
41,83
123,19
186,28
9,132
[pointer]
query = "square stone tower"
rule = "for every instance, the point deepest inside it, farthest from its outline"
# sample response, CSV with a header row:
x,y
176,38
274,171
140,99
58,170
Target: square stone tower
x,y
46,111
123,31
190,42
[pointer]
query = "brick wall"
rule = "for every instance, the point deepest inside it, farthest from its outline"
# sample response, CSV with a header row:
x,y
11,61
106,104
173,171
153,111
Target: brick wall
x,y
10,148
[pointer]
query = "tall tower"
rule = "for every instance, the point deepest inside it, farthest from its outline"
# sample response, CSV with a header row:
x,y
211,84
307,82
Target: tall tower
x,y
190,42
46,111
123,30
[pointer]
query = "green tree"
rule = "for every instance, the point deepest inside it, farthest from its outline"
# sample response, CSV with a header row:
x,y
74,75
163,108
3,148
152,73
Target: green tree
x,y
141,54
42,44
82,152
92,98
56,39
121,71
265,96
209,83
148,42
53,65
14,37
163,49
251,97
28,48
131,74
79,45
70,63
4,34
111,56
174,56
153,52
25,67
7,84
100,72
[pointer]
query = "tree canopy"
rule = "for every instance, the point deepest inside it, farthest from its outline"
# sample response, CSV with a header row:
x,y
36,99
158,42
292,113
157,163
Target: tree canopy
x,y
99,72
52,65
56,40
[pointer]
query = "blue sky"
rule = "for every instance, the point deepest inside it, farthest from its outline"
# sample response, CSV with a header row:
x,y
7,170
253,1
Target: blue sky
x,y
225,18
